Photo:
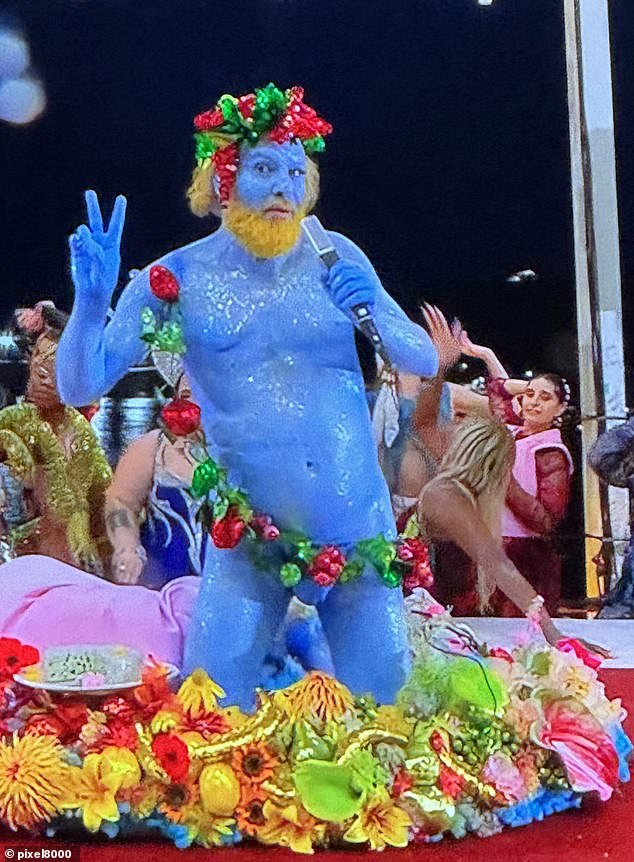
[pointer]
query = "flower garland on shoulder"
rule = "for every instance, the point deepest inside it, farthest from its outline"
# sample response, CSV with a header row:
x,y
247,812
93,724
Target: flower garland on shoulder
x,y
227,514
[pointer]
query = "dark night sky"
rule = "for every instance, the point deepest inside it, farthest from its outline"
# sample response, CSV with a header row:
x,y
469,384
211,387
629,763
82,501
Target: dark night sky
x,y
449,162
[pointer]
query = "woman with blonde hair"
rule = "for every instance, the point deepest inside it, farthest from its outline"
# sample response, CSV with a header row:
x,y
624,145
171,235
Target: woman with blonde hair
x,y
463,504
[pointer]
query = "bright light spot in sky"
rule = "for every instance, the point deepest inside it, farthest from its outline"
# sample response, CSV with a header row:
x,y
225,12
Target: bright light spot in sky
x,y
21,101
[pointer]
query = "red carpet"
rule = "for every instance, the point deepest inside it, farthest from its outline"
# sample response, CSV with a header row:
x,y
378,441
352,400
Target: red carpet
x,y
594,834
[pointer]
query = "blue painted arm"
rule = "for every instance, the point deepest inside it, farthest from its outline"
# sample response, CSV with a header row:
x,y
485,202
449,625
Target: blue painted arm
x,y
408,345
91,356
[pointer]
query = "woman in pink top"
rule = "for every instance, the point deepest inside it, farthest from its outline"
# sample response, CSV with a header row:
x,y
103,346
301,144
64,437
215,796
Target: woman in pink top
x,y
539,492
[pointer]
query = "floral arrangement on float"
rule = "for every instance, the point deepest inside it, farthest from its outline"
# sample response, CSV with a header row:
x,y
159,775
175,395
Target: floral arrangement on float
x,y
478,739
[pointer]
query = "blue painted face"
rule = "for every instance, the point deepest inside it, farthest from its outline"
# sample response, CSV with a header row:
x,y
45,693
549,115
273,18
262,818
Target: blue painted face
x,y
272,178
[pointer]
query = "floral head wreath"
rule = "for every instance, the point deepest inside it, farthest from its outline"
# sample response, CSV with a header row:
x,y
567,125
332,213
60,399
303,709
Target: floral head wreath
x,y
281,115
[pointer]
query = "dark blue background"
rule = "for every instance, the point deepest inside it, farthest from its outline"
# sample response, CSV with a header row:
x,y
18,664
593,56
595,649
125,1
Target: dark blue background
x,y
448,165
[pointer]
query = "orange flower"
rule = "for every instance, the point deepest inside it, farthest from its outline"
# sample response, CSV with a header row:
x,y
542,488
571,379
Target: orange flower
x,y
317,696
288,826
254,763
250,812
176,801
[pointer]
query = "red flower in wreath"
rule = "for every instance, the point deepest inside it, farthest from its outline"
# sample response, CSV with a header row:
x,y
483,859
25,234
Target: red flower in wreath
x,y
181,416
327,566
208,120
121,734
14,656
164,284
226,532
172,754
225,162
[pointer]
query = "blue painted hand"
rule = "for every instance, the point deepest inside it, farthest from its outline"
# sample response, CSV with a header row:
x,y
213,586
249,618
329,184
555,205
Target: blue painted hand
x,y
350,285
94,251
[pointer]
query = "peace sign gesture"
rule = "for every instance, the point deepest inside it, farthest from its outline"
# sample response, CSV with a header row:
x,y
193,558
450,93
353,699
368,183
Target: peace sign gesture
x,y
95,251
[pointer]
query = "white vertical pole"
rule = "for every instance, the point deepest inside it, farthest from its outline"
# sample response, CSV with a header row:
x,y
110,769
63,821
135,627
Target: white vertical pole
x,y
597,262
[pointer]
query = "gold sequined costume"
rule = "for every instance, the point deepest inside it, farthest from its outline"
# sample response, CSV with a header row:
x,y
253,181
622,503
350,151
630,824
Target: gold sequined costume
x,y
65,475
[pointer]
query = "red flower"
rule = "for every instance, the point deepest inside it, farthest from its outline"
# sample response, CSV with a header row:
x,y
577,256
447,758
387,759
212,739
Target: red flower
x,y
264,527
403,782
327,566
73,716
90,411
181,416
572,645
587,752
227,532
208,120
413,549
437,742
121,734
225,162
420,575
209,725
14,656
163,284
118,707
246,105
450,783
499,652
44,724
172,754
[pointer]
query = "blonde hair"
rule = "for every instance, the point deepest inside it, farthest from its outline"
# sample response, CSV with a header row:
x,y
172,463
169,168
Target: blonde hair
x,y
203,200
480,458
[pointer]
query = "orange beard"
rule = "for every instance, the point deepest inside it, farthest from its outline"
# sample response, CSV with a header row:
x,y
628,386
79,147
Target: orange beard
x,y
261,236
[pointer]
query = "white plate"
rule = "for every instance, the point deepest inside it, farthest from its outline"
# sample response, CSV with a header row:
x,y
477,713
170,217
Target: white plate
x,y
66,688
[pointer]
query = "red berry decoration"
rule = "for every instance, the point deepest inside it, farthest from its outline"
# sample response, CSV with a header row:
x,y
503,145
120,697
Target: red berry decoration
x,y
265,528
164,284
181,416
226,532
327,566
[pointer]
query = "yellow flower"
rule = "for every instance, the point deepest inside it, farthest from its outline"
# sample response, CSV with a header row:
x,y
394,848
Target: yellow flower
x,y
287,826
380,823
207,829
33,780
164,721
317,696
94,787
93,729
198,694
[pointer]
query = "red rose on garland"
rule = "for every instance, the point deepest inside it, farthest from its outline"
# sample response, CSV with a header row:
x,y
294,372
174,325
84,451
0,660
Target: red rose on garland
x,y
327,566
181,416
226,532
14,656
172,754
163,284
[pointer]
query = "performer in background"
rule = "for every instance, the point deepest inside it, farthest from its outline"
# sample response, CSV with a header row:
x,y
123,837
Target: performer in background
x,y
271,359
538,495
150,516
463,504
50,449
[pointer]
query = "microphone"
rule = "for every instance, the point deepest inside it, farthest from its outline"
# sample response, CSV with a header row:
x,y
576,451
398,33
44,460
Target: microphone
x,y
323,247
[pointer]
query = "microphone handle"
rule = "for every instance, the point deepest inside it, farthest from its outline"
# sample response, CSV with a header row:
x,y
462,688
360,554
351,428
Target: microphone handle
x,y
362,315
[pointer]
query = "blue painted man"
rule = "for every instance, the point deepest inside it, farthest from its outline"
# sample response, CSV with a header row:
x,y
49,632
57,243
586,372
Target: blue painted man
x,y
272,363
